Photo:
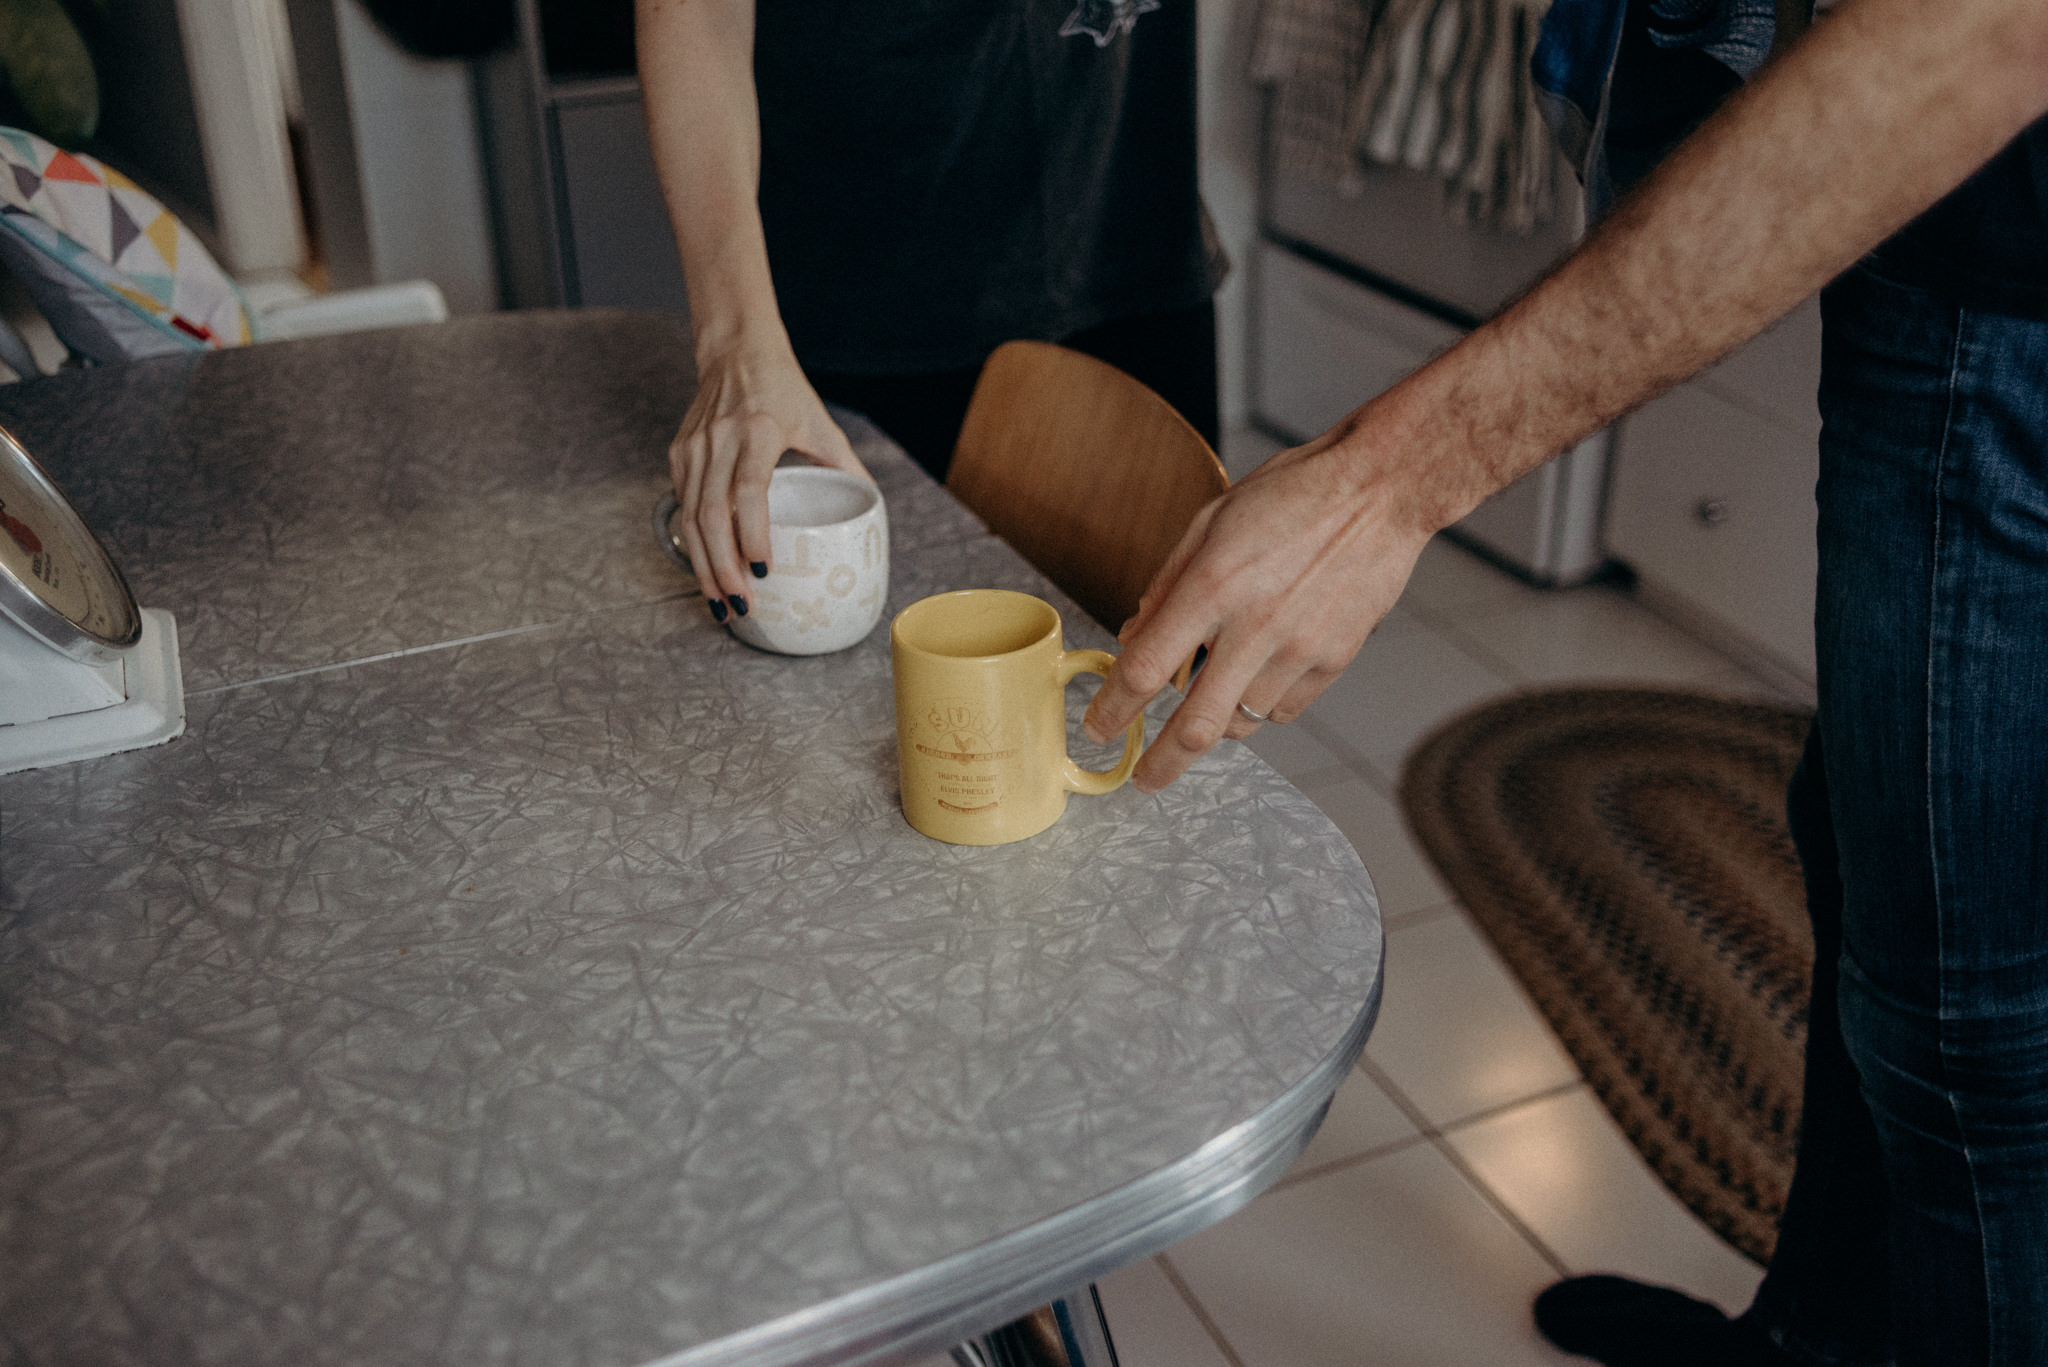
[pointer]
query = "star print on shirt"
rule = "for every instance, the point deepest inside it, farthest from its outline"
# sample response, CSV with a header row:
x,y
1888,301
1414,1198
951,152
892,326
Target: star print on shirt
x,y
1103,20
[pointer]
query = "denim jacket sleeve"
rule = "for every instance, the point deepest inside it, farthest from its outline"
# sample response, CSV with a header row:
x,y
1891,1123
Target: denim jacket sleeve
x,y
1573,66
1573,71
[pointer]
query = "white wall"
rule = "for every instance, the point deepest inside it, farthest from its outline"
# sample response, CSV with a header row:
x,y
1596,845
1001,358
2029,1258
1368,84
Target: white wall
x,y
416,151
1230,159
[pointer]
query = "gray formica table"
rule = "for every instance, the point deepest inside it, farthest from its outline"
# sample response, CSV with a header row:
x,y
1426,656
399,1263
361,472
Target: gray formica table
x,y
507,966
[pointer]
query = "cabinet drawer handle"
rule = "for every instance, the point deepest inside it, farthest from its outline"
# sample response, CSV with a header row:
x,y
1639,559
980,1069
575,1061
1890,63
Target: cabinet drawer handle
x,y
1710,512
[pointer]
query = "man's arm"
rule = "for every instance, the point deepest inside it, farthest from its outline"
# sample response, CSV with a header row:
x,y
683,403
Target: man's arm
x,y
1881,110
753,403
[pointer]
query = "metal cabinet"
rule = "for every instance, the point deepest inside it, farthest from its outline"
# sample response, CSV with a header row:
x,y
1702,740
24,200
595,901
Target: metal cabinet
x,y
1327,343
578,212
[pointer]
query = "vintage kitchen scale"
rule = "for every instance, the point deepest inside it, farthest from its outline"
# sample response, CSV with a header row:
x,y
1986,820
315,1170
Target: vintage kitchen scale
x,y
83,671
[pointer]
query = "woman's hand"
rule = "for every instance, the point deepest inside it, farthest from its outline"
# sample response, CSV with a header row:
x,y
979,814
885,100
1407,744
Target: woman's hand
x,y
1282,577
752,404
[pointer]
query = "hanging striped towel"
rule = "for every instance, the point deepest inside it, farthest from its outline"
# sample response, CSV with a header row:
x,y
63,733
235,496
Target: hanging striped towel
x,y
1440,86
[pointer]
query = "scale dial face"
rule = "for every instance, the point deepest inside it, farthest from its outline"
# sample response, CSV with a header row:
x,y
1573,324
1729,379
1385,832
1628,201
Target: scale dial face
x,y
56,580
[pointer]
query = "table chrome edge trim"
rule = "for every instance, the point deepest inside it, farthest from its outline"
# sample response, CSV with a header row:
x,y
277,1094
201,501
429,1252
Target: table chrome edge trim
x,y
970,1291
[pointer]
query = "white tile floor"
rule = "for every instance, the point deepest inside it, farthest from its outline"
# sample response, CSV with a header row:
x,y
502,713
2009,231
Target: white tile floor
x,y
1464,1165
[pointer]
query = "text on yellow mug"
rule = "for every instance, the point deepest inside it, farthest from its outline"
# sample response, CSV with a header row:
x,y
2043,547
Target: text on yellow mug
x,y
981,717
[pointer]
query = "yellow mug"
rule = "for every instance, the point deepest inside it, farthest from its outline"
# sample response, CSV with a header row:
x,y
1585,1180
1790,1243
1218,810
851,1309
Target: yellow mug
x,y
981,716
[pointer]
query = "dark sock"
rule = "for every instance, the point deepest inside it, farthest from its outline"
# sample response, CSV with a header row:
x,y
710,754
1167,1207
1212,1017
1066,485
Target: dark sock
x,y
1632,1324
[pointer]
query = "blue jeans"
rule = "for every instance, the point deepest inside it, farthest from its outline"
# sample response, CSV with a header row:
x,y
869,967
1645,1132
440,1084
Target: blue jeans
x,y
1917,1226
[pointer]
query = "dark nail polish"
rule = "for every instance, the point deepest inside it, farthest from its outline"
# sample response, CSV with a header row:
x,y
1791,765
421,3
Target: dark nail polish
x,y
739,604
718,609
759,567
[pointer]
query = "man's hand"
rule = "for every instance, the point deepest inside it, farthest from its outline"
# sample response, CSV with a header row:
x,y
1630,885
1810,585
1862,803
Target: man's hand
x,y
752,404
1870,118
1281,578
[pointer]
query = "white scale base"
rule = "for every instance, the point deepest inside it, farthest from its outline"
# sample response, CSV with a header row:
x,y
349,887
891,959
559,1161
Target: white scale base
x,y
151,711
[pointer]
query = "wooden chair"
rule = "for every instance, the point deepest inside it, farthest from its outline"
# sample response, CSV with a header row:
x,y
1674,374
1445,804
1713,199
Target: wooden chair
x,y
1093,478
1089,474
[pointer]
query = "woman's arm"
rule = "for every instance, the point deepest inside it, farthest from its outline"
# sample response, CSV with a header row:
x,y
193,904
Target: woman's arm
x,y
753,403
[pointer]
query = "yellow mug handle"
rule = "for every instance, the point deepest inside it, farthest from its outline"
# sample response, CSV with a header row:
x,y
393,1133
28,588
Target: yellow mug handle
x,y
1096,781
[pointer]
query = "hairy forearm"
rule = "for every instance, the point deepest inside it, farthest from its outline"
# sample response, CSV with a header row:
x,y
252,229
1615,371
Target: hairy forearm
x,y
1881,110
703,122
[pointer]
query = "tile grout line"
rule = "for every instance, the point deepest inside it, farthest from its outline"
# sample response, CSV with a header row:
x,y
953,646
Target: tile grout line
x,y
1424,1133
1351,1160
1453,630
1347,755
1458,630
1551,1093
1340,769
1364,774
1417,915
1443,1145
1197,1309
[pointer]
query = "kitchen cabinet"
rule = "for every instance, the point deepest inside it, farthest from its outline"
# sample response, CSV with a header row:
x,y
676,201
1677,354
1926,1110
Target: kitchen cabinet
x,y
577,209
1326,343
1396,230
1712,500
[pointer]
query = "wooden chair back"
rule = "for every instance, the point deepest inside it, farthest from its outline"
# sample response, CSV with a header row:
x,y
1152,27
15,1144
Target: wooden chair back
x,y
1089,474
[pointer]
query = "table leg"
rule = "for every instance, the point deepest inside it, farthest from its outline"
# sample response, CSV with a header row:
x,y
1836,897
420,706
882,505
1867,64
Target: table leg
x,y
1068,1332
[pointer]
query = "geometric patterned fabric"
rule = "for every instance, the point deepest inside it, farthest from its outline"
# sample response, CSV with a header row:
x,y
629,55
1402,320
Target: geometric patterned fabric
x,y
86,221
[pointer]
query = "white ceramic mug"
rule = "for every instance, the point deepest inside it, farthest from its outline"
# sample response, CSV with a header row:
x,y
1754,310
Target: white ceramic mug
x,y
828,539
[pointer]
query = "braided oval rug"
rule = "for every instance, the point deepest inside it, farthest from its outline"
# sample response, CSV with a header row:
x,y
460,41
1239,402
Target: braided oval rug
x,y
1626,851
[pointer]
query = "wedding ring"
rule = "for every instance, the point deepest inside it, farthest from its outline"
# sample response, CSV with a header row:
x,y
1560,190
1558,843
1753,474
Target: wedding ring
x,y
1251,715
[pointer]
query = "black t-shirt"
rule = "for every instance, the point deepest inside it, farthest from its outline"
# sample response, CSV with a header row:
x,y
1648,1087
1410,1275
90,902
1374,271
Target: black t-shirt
x,y
942,176
1986,244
